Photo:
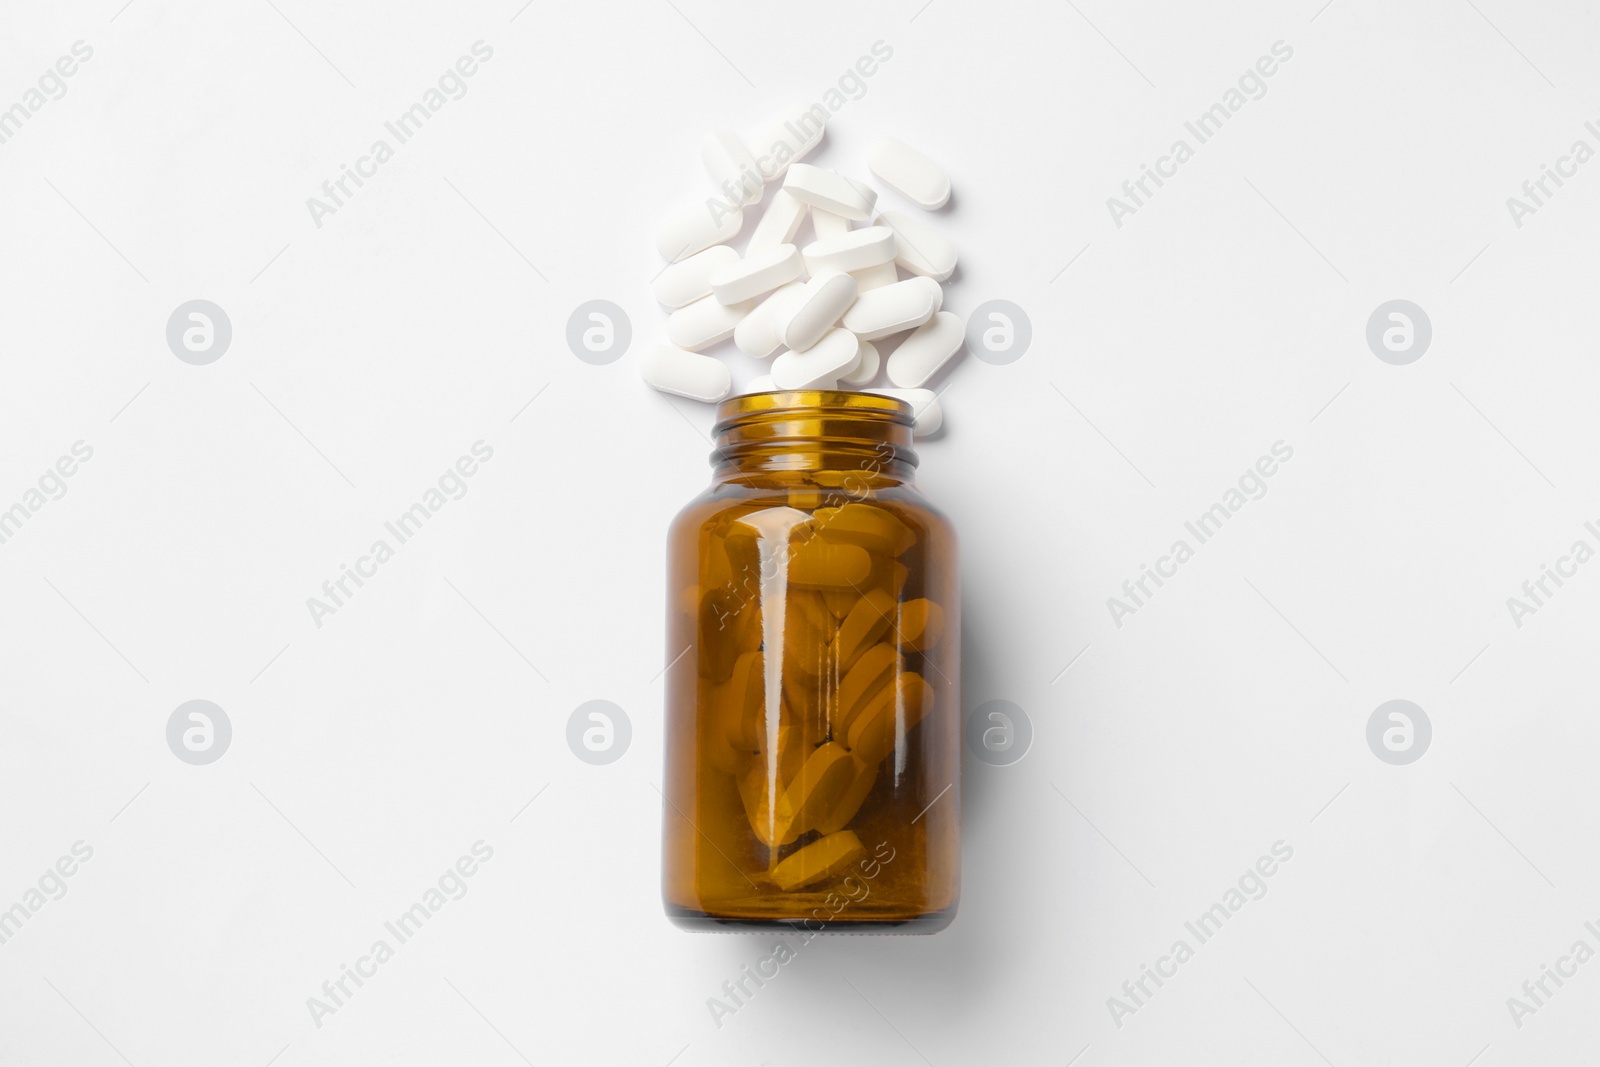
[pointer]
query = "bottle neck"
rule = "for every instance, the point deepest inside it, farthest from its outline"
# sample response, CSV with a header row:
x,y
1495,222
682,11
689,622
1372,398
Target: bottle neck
x,y
859,440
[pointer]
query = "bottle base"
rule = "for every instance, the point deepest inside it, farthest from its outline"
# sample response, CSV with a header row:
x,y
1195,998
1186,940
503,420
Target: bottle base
x,y
705,922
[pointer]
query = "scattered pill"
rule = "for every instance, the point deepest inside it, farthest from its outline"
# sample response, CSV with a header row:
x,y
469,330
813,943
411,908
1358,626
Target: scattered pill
x,y
778,224
688,280
909,173
929,347
827,295
672,370
829,191
855,250
821,859
834,353
762,383
697,228
758,273
876,277
867,192
854,366
732,167
826,225
924,408
757,333
866,368
891,309
919,248
705,322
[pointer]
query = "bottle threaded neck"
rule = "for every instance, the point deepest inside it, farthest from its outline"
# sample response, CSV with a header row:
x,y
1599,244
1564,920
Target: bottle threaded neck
x,y
814,430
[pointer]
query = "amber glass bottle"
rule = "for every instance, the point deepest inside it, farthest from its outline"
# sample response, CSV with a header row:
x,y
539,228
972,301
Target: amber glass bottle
x,y
812,718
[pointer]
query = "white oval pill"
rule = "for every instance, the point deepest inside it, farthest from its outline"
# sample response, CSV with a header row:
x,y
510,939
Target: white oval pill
x,y
697,228
875,277
826,296
866,368
830,191
853,366
929,347
759,272
757,333
867,192
705,322
924,407
778,224
732,167
826,225
855,250
901,306
672,370
822,363
761,384
935,288
909,173
919,248
690,279
786,137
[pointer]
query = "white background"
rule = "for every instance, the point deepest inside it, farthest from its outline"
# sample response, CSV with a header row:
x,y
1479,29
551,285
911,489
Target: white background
x,y
1168,354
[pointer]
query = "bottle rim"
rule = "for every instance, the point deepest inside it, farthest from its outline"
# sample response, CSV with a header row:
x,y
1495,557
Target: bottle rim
x,y
812,402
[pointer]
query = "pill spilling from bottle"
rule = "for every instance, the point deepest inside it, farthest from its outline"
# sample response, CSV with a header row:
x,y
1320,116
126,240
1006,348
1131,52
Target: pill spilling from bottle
x,y
858,307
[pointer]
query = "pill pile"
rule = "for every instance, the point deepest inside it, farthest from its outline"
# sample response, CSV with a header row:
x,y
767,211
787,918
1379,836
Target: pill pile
x,y
838,648
815,311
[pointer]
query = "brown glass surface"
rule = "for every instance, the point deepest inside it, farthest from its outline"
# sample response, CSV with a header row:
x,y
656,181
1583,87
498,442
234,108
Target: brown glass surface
x,y
812,548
